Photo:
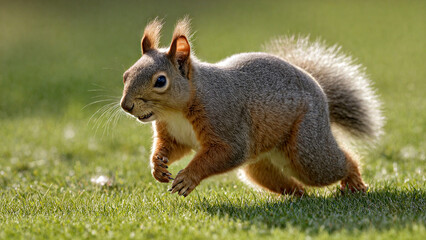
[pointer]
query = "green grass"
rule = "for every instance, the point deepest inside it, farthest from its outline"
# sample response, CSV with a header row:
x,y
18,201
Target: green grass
x,y
56,58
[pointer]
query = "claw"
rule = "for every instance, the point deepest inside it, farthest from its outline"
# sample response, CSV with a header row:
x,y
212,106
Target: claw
x,y
160,169
182,191
174,190
183,184
175,184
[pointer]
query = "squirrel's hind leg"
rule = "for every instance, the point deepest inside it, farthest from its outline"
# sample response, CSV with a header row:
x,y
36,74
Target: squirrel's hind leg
x,y
353,181
266,175
316,158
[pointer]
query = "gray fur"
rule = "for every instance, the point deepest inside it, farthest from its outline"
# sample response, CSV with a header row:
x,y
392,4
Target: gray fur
x,y
353,103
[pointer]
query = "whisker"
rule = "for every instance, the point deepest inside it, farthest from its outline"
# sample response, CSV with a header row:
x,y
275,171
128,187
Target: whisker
x,y
104,107
97,90
105,110
105,113
96,118
107,96
113,119
98,101
117,117
108,126
99,86
113,69
108,114
112,110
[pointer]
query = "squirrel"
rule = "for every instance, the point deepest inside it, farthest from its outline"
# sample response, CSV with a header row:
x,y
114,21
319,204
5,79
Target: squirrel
x,y
273,115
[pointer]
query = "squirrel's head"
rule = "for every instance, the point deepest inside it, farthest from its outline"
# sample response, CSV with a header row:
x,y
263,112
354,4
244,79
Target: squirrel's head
x,y
159,81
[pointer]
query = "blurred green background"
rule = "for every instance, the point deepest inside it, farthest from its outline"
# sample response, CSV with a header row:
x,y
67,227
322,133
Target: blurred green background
x,y
62,61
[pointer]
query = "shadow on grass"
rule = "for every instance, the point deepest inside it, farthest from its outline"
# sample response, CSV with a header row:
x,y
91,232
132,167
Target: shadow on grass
x,y
378,210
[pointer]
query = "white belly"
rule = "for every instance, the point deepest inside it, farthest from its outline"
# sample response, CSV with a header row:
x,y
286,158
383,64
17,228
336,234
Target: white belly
x,y
278,159
180,128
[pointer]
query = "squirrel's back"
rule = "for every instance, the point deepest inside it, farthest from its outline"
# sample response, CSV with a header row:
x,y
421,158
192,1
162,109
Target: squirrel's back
x,y
250,75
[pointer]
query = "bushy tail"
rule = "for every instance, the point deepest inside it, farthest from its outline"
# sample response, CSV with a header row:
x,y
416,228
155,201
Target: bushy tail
x,y
353,104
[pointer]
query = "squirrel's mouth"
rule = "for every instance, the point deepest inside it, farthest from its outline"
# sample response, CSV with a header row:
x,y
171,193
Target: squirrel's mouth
x,y
146,117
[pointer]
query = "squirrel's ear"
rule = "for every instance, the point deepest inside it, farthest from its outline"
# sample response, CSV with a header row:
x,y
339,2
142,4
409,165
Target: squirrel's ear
x,y
179,54
180,49
151,35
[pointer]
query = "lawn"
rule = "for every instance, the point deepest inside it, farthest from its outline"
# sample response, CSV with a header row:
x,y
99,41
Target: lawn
x,y
61,66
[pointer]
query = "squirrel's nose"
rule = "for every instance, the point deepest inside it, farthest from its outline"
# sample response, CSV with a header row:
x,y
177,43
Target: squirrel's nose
x,y
127,105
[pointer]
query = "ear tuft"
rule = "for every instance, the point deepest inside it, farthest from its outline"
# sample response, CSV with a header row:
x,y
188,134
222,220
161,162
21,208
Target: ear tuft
x,y
180,49
151,35
182,28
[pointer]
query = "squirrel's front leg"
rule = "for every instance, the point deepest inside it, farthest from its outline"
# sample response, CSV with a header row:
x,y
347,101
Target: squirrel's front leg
x,y
210,160
159,168
165,151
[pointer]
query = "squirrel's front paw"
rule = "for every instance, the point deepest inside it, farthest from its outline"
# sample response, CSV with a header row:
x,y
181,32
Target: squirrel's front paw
x,y
184,183
159,169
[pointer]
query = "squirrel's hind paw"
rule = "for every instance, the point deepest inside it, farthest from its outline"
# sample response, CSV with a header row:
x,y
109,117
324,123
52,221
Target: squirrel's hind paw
x,y
353,187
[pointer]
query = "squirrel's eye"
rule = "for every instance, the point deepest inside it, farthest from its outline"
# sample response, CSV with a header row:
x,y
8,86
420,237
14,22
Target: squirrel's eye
x,y
161,82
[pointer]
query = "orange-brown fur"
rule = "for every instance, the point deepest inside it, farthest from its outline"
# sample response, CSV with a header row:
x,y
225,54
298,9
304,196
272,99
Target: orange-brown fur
x,y
179,54
268,176
214,156
291,152
266,134
353,181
